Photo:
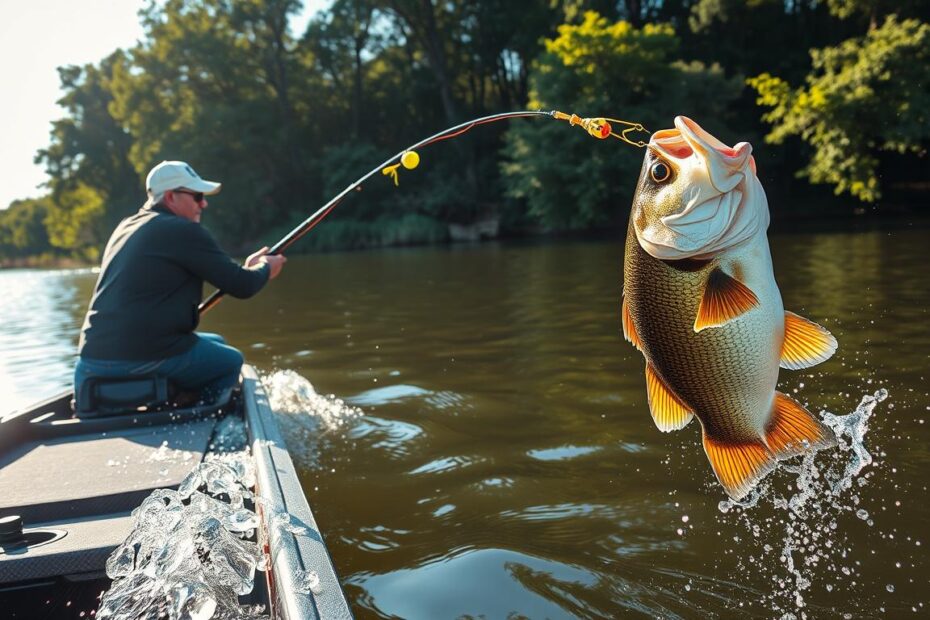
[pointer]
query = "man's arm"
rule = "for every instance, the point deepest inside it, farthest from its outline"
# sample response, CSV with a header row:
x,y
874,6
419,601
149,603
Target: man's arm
x,y
202,256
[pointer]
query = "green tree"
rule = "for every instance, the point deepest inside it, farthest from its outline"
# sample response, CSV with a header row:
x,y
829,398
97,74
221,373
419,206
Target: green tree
x,y
427,66
22,229
761,35
874,10
341,39
93,185
75,222
221,84
864,98
597,68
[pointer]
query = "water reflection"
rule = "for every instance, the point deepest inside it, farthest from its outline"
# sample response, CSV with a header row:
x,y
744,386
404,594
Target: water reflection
x,y
384,395
38,335
445,464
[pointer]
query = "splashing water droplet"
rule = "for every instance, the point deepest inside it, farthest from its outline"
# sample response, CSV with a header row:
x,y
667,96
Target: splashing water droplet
x,y
290,393
309,581
812,540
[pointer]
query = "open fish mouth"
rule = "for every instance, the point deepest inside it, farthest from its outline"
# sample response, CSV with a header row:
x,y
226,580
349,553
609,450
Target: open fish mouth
x,y
722,203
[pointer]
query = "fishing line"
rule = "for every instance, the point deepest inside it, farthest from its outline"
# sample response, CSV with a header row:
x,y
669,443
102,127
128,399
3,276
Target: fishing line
x,y
600,128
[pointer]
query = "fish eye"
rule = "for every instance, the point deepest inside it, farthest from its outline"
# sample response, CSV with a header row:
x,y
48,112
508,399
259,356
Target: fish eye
x,y
660,172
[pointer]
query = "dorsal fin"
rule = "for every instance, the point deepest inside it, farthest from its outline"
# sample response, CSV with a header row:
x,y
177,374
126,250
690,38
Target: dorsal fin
x,y
725,298
668,412
738,466
792,430
806,343
629,330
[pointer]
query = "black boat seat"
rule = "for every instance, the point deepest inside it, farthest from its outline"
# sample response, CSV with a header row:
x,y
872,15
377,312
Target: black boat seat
x,y
98,397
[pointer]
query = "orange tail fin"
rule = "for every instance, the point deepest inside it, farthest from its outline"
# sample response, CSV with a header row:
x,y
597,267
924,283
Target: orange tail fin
x,y
738,466
792,430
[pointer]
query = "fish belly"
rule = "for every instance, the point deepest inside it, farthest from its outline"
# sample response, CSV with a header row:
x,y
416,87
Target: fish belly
x,y
726,375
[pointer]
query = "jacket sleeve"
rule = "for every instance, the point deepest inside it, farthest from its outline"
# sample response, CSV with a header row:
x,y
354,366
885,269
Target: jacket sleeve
x,y
202,256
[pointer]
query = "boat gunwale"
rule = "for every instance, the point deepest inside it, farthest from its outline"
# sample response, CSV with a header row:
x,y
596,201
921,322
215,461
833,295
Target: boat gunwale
x,y
281,491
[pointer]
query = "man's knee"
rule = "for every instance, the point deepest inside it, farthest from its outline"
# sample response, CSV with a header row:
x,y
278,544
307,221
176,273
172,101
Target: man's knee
x,y
211,337
236,359
225,361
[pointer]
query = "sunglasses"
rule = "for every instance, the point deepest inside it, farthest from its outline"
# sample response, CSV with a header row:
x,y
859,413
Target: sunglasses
x,y
197,196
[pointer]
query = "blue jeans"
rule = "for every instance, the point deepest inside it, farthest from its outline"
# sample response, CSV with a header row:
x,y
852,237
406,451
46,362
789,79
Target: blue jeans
x,y
210,366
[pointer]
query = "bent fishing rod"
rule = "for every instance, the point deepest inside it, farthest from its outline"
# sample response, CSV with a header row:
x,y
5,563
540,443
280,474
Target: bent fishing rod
x,y
600,128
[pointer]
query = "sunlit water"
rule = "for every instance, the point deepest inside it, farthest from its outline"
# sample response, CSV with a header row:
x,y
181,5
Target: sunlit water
x,y
473,435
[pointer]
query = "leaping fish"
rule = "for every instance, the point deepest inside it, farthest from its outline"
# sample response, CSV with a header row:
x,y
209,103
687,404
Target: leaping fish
x,y
701,303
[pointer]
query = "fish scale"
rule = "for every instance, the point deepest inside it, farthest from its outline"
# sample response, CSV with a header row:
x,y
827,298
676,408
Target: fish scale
x,y
707,369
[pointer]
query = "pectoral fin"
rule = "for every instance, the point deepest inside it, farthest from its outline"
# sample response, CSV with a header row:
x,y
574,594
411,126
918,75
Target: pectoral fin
x,y
629,330
792,430
806,343
668,412
725,298
738,466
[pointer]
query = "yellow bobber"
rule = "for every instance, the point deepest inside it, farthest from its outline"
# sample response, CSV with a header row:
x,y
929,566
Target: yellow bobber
x,y
410,160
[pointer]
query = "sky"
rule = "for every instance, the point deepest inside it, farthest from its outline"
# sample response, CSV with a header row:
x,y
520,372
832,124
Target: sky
x,y
36,37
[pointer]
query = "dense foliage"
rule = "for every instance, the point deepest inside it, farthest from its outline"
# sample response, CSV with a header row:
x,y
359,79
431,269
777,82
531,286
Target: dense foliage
x,y
840,87
568,182
864,97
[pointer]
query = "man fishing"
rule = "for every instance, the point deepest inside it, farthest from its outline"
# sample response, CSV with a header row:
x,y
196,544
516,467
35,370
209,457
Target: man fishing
x,y
143,314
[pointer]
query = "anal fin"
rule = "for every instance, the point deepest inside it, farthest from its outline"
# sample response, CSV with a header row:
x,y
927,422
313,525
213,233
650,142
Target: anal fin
x,y
668,412
725,298
738,466
629,330
806,343
793,430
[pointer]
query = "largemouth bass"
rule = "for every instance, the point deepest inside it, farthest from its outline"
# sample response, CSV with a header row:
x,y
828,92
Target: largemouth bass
x,y
701,303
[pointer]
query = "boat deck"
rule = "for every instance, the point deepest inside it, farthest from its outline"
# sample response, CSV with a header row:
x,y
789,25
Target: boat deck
x,y
82,478
57,478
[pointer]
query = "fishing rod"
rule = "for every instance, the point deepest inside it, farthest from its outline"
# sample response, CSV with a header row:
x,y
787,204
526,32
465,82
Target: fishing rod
x,y
600,128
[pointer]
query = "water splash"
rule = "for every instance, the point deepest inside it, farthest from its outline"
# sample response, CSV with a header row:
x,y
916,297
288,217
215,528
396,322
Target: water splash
x,y
290,393
308,581
306,418
807,520
189,554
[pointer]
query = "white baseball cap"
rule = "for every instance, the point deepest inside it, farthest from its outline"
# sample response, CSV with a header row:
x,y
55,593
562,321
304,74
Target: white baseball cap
x,y
170,175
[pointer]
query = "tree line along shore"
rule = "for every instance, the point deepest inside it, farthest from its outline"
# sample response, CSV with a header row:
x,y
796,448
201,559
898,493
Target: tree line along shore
x,y
834,96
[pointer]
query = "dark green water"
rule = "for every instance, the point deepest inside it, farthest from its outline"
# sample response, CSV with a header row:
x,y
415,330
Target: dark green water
x,y
506,466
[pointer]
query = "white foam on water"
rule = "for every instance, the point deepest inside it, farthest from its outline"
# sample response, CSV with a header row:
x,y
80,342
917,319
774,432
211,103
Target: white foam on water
x,y
307,419
290,393
812,546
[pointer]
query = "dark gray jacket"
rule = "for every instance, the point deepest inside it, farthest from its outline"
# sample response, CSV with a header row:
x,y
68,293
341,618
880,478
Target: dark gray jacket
x,y
151,282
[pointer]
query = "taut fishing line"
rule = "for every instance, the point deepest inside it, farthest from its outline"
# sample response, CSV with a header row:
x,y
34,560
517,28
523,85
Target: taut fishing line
x,y
600,128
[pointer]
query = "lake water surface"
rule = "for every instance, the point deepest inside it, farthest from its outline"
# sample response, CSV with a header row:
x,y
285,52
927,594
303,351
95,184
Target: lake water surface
x,y
504,463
